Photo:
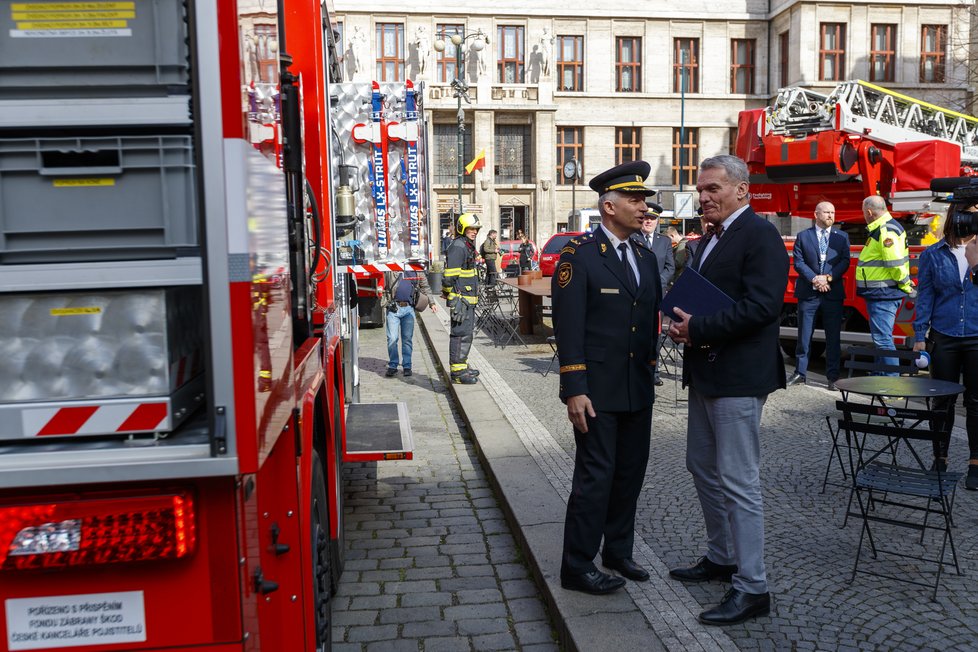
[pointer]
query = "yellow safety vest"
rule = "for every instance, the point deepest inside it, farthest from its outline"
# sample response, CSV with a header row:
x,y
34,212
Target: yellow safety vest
x,y
883,271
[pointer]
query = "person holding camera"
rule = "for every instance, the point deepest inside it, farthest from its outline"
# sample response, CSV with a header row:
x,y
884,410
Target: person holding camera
x,y
947,307
405,292
460,288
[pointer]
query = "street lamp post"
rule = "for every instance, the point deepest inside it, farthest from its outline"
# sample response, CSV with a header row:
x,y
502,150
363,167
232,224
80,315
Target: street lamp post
x,y
682,116
461,90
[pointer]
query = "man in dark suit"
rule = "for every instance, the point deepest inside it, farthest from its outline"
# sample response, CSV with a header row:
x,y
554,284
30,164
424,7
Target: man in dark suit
x,y
606,294
661,246
821,257
731,362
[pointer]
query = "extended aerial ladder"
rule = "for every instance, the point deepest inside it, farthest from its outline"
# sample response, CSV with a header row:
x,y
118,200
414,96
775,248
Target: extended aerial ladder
x,y
889,143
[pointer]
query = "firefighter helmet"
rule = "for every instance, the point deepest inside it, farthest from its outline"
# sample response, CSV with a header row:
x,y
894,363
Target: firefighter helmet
x,y
467,221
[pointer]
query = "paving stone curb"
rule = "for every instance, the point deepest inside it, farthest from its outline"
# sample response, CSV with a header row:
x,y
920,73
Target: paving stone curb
x,y
535,513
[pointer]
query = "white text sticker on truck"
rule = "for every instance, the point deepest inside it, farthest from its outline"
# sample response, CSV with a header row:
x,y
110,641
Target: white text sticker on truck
x,y
74,620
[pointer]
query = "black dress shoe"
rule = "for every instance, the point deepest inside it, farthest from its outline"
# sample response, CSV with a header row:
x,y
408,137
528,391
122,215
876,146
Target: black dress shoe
x,y
658,382
796,379
595,582
704,571
737,607
628,568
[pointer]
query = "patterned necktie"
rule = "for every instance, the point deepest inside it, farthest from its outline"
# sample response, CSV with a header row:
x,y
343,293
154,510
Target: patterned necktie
x,y
630,282
823,246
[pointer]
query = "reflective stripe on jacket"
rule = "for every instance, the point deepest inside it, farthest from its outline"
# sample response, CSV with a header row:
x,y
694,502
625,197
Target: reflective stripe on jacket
x,y
461,278
883,271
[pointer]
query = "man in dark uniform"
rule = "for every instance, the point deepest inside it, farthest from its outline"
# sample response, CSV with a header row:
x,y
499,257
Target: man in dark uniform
x,y
460,287
661,246
606,294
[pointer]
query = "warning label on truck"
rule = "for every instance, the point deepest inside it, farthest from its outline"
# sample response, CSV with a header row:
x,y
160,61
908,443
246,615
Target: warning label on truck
x,y
74,620
71,19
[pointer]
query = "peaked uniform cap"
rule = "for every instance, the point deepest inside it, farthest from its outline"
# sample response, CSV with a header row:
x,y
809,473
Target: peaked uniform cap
x,y
654,210
627,177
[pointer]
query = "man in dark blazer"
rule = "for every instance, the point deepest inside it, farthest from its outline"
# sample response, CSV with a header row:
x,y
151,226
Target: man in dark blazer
x,y
821,257
731,362
661,246
606,293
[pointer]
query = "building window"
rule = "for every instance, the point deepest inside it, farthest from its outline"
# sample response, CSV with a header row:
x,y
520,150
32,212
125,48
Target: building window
x,y
513,154
390,52
446,59
882,53
831,52
742,65
570,63
784,51
628,144
685,157
686,56
446,152
266,53
933,42
510,54
570,145
628,64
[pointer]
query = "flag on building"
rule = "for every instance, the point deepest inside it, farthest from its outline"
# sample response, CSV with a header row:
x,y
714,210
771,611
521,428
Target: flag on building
x,y
477,163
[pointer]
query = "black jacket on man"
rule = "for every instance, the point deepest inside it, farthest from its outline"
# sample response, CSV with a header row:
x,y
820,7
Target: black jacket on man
x,y
604,333
662,248
735,352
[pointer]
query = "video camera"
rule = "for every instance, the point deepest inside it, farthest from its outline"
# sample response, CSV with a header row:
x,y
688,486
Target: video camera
x,y
964,194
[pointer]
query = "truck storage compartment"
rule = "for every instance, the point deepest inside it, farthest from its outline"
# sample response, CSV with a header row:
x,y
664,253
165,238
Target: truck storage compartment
x,y
103,362
96,198
93,49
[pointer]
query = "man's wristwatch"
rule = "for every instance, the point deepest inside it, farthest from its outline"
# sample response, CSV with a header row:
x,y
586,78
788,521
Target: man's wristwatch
x,y
828,278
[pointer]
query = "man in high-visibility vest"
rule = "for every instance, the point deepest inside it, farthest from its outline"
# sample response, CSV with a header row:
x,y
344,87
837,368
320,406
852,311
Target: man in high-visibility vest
x,y
460,288
883,273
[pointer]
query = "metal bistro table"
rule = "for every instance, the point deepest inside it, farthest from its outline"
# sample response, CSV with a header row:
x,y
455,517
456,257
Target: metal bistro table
x,y
883,388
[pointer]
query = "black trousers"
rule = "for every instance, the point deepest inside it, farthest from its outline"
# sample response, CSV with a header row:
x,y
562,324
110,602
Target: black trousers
x,y
609,470
460,338
491,272
950,359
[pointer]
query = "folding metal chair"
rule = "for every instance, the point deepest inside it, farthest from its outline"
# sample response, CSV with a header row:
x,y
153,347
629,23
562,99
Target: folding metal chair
x,y
552,341
867,359
892,493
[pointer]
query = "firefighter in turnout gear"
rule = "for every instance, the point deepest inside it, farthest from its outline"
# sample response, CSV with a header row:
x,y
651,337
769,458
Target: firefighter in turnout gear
x,y
460,288
883,273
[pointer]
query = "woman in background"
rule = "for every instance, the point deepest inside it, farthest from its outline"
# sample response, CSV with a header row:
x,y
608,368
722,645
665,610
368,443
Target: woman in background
x,y
947,306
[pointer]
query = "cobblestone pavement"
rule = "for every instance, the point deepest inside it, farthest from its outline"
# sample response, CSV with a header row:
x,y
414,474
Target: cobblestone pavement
x,y
809,556
430,562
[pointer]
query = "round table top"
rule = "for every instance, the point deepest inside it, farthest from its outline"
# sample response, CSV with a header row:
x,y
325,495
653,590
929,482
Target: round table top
x,y
903,386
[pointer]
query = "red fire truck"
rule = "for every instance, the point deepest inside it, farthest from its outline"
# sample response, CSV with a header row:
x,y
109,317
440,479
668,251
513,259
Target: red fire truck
x,y
859,140
183,201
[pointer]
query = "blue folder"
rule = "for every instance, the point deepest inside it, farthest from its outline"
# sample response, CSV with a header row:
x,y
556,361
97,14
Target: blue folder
x,y
694,294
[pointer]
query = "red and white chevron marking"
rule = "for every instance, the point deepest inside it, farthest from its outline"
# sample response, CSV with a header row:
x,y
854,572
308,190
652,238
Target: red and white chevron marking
x,y
379,268
95,419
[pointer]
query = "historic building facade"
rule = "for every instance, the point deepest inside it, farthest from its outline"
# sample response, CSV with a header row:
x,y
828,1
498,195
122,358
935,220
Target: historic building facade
x,y
611,81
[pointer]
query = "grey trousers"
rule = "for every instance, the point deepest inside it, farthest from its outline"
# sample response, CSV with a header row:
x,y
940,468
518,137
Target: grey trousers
x,y
723,454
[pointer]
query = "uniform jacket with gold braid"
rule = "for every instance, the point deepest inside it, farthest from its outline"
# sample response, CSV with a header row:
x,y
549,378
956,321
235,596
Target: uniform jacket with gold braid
x,y
604,333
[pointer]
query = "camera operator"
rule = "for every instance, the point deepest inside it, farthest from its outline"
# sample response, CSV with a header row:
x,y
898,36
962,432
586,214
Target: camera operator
x,y
947,306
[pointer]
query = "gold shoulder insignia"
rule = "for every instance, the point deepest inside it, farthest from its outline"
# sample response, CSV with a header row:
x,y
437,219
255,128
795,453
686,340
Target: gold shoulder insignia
x,y
575,241
564,272
567,250
604,247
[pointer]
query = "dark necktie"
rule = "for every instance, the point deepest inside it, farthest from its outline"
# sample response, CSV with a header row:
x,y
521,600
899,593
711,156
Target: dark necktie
x,y
823,247
630,282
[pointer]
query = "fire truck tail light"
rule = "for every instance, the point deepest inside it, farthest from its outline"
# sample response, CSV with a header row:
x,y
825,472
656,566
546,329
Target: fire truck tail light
x,y
82,532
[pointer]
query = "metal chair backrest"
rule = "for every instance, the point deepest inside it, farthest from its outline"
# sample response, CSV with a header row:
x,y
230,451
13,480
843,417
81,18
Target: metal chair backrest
x,y
871,359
